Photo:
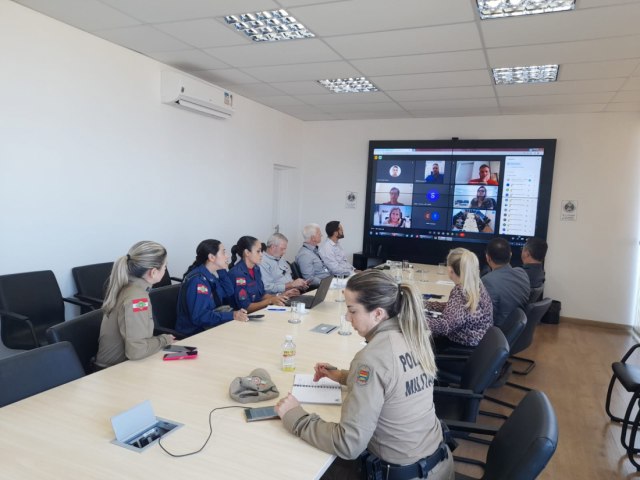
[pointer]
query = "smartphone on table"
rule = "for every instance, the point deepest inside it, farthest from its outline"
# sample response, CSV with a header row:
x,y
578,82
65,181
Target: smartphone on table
x,y
260,413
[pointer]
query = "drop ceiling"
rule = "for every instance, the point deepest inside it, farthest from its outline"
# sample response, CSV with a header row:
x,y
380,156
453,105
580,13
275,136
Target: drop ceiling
x,y
429,58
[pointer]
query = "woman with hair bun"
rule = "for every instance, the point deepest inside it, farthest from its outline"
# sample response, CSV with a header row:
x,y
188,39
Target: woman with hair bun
x,y
205,293
468,313
388,416
249,293
126,331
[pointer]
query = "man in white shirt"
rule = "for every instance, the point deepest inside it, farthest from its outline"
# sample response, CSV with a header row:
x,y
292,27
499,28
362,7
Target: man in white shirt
x,y
332,253
275,270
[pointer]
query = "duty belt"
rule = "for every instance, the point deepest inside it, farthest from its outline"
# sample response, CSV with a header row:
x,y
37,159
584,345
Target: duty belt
x,y
375,468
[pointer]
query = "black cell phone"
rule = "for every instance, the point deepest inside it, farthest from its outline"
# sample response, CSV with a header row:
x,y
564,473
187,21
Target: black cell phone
x,y
260,413
179,348
256,317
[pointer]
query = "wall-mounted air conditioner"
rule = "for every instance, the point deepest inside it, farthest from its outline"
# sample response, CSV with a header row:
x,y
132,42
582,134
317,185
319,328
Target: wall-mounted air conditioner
x,y
193,94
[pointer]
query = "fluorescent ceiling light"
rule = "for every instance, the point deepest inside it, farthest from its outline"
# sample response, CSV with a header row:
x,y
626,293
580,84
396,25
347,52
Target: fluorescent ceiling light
x,y
268,26
349,85
532,74
511,8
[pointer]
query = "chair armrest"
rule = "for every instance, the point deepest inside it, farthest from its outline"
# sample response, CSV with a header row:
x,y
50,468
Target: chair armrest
x,y
451,358
468,427
629,353
77,302
456,392
13,317
176,279
94,301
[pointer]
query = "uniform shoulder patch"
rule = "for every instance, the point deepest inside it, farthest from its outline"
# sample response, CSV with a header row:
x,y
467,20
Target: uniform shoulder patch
x,y
242,295
241,281
201,288
363,374
140,304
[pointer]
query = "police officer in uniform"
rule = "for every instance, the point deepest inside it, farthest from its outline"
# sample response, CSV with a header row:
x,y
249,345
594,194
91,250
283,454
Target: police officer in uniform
x,y
388,427
203,301
249,293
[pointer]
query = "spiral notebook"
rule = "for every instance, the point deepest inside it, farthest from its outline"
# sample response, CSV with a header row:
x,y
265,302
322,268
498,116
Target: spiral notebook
x,y
323,391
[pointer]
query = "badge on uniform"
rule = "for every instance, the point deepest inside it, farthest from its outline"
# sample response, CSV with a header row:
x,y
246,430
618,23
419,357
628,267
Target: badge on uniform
x,y
241,281
140,304
242,294
363,374
202,289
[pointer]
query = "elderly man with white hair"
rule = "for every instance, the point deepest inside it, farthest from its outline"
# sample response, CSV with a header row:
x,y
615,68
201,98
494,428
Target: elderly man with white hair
x,y
276,272
311,265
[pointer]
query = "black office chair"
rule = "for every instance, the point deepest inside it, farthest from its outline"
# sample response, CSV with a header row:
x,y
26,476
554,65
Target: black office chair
x,y
164,303
295,270
536,294
534,312
166,280
83,333
30,303
523,445
480,371
91,282
37,370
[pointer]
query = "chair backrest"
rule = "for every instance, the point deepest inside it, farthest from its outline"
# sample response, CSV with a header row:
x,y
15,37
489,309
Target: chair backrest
x,y
83,333
35,295
485,362
295,270
526,441
514,325
164,303
534,312
535,294
92,280
37,370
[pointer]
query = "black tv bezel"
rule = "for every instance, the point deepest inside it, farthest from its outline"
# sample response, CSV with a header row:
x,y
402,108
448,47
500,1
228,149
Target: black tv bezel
x,y
434,251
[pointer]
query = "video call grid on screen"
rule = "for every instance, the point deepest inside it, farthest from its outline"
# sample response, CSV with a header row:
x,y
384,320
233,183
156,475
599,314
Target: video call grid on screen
x,y
462,191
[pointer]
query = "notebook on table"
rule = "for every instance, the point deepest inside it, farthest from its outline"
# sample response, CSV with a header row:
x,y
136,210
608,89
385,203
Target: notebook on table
x,y
311,301
324,390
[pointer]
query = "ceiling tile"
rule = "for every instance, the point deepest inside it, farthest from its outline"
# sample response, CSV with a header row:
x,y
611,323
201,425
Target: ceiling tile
x,y
203,33
555,99
456,112
253,90
426,63
387,107
586,24
627,96
359,16
189,60
344,98
87,15
553,109
143,39
308,87
152,11
275,53
229,75
632,84
463,36
442,93
450,104
279,101
557,88
433,80
580,71
303,71
370,115
295,3
623,107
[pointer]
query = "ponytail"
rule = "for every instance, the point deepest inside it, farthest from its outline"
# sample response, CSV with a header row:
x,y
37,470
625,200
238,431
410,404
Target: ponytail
x,y
244,243
203,250
465,265
142,257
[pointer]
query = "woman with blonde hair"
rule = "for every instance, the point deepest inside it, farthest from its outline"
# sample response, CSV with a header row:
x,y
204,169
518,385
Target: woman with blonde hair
x,y
126,331
468,313
388,415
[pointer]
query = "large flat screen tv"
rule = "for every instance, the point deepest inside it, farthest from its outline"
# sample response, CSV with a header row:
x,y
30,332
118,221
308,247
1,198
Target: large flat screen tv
x,y
426,197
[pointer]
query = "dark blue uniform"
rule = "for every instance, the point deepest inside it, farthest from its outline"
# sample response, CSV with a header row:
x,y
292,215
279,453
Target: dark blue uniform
x,y
201,293
247,289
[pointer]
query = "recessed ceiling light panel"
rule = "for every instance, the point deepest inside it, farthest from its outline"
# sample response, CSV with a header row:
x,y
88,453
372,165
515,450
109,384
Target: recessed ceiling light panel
x,y
511,8
532,74
349,85
268,26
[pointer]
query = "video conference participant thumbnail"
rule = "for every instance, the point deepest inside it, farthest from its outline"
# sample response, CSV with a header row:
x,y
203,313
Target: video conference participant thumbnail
x,y
482,172
395,171
392,216
431,195
483,197
429,218
473,221
435,172
393,193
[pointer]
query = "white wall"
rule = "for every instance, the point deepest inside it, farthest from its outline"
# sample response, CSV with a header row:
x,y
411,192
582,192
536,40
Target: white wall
x,y
591,265
91,161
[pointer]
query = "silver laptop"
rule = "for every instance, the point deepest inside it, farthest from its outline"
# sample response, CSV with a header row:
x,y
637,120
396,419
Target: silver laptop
x,y
311,301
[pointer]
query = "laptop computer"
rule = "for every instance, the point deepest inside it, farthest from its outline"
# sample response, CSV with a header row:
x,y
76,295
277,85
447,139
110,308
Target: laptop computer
x,y
311,301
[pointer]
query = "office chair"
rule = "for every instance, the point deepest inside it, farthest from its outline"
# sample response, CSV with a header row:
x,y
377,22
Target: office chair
x,y
164,303
522,446
91,283
30,303
166,280
83,333
295,270
536,294
37,370
534,312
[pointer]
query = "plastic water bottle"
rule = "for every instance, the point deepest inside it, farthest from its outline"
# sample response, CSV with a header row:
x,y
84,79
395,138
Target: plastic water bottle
x,y
288,354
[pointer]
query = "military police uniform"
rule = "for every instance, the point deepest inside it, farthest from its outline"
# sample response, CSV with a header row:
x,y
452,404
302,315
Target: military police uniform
x,y
388,410
127,332
247,289
201,295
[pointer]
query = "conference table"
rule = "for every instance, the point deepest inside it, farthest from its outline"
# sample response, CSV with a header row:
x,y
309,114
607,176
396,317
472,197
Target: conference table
x,y
66,432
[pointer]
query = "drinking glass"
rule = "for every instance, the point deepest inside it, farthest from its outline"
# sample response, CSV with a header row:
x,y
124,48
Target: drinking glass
x,y
295,313
442,269
340,283
345,326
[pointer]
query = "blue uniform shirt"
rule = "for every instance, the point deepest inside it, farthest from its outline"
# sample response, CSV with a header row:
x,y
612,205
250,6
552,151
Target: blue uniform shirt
x,y
247,290
197,302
